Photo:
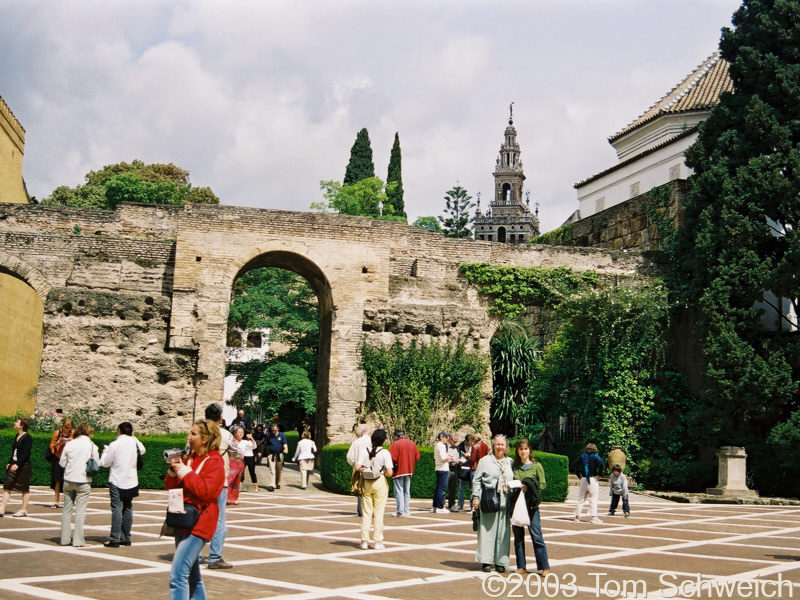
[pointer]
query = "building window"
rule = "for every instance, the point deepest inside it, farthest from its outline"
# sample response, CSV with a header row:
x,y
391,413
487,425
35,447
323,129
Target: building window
x,y
600,204
521,238
490,238
511,238
501,234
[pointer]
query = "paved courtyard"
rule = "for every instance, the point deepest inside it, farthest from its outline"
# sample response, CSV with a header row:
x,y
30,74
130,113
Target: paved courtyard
x,y
300,545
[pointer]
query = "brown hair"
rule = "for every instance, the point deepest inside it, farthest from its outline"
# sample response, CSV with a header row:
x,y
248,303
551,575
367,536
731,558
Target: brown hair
x,y
84,429
66,423
209,433
522,442
25,423
306,435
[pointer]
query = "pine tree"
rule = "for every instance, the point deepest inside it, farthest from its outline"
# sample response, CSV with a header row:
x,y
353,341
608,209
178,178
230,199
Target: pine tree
x,y
360,165
741,236
458,215
395,175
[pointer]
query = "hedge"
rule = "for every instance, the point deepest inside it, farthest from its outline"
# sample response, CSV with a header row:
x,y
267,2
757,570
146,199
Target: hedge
x,y
336,473
150,477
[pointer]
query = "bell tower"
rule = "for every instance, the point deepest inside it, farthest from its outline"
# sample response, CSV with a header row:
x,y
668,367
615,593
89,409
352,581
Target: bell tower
x,y
509,218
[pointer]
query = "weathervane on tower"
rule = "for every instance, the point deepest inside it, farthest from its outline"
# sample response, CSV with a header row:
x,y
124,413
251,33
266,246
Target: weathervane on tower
x,y
511,114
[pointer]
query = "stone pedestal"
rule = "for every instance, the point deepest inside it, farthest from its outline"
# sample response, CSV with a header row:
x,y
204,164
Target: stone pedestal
x,y
732,474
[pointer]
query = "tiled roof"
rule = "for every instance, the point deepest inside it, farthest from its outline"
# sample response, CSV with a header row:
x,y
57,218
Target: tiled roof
x,y
698,91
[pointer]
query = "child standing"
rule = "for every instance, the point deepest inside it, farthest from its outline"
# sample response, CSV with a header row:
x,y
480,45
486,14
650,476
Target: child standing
x,y
618,485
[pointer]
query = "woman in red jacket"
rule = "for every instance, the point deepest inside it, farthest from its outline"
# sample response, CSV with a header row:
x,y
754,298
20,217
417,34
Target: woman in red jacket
x,y
201,475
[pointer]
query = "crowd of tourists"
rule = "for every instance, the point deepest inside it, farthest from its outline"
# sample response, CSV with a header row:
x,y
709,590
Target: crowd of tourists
x,y
503,493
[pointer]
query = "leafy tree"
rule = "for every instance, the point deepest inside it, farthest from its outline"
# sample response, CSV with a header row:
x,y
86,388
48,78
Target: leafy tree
x,y
365,198
458,215
429,223
132,182
360,165
395,176
741,237
284,302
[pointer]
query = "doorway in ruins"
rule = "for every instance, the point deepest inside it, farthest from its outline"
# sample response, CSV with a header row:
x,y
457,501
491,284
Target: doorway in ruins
x,y
278,343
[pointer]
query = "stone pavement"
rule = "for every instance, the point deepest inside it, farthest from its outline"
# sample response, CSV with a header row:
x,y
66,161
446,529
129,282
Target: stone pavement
x,y
300,545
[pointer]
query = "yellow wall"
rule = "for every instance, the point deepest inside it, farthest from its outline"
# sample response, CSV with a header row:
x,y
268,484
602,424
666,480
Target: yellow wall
x,y
20,345
12,148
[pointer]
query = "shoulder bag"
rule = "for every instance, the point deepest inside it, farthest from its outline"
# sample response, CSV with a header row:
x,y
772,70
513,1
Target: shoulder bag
x,y
188,518
490,500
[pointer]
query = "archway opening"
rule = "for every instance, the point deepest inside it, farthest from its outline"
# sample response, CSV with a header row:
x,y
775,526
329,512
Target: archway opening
x,y
506,193
278,350
501,234
20,344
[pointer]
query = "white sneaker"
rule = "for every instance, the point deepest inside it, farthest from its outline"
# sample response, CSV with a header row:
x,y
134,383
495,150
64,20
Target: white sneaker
x,y
596,521
433,509
379,546
364,546
442,511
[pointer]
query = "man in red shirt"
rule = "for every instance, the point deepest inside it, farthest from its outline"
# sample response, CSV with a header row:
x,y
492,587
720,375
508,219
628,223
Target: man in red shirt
x,y
404,454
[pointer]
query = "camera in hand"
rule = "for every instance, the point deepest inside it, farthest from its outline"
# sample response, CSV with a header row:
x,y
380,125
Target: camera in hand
x,y
172,454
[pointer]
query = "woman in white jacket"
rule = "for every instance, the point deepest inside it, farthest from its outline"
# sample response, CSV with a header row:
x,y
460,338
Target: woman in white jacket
x,y
304,457
77,485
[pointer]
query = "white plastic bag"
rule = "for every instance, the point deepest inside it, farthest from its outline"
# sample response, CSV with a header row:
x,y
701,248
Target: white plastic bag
x,y
520,516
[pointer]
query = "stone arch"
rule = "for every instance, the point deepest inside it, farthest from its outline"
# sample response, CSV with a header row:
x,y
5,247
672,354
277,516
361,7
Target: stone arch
x,y
501,234
16,267
312,273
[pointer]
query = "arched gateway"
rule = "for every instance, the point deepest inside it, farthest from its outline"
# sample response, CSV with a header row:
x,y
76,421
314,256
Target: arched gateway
x,y
136,300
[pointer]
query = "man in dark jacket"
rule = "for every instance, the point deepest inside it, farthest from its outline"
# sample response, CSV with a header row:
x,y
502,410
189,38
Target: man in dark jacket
x,y
276,447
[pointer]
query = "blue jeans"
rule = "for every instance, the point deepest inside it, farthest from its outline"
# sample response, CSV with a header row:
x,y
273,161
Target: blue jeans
x,y
539,549
402,493
185,582
441,488
215,547
121,516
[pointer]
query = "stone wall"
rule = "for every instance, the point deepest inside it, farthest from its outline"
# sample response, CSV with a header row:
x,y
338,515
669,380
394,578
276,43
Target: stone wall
x,y
136,300
624,225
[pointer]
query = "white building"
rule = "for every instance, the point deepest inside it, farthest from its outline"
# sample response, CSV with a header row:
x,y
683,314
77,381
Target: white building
x,y
651,149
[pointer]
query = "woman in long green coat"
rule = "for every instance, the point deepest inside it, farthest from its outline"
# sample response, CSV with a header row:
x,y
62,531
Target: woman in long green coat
x,y
493,472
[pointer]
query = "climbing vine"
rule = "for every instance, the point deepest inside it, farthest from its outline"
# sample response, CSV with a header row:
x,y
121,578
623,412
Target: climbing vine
x,y
514,288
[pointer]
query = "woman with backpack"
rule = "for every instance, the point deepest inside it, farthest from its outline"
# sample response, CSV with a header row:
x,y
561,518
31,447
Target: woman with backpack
x,y
374,463
531,474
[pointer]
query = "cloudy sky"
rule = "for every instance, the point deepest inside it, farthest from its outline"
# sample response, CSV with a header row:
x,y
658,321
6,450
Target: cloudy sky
x,y
262,99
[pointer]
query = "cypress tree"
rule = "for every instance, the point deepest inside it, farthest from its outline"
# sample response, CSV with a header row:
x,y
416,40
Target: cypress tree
x,y
740,238
395,176
360,165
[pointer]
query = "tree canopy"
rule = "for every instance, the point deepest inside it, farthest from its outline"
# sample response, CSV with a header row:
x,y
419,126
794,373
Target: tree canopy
x,y
132,182
364,198
360,165
457,213
740,240
429,223
284,302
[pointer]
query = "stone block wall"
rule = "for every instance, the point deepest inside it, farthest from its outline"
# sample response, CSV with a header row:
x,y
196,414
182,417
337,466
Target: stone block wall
x,y
136,300
626,225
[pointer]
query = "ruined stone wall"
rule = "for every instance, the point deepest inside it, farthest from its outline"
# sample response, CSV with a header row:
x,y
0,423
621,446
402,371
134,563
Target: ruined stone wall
x,y
625,225
136,300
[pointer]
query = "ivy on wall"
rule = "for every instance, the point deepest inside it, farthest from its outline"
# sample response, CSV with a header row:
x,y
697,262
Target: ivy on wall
x,y
514,288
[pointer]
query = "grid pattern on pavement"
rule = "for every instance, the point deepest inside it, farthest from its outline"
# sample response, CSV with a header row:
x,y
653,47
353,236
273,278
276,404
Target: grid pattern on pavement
x,y
293,544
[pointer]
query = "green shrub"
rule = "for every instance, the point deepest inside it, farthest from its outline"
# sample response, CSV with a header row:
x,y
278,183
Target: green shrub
x,y
150,477
676,476
336,473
